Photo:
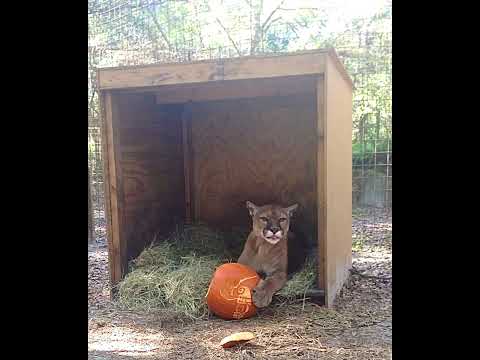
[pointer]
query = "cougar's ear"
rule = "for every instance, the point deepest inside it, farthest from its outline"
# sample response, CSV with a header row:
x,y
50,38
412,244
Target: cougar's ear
x,y
290,210
252,208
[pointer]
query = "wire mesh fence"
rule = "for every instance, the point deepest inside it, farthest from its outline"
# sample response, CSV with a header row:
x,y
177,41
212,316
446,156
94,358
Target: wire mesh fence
x,y
151,31
372,116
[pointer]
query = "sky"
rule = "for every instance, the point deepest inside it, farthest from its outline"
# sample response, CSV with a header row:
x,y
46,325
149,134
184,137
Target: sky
x,y
340,12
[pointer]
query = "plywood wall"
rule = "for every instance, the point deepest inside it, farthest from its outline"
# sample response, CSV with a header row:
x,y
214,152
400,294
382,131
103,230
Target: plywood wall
x,y
151,162
336,182
262,150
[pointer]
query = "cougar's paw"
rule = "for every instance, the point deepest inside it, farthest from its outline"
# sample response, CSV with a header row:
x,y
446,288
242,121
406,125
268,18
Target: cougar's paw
x,y
261,298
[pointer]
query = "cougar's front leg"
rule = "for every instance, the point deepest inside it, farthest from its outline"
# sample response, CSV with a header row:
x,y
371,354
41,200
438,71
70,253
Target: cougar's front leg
x,y
246,258
263,292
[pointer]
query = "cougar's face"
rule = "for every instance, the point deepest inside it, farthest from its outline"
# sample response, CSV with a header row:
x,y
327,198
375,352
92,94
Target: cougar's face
x,y
271,222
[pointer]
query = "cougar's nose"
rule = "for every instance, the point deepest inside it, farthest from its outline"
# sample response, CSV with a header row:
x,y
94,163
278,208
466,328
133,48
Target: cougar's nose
x,y
275,230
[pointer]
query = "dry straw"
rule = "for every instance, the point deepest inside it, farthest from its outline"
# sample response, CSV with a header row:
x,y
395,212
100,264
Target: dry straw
x,y
173,274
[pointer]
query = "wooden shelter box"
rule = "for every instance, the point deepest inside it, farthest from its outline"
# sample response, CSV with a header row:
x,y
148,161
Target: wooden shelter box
x,y
194,141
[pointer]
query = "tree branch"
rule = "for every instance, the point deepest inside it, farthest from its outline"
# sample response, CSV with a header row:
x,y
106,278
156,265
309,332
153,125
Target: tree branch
x,y
260,31
271,14
159,28
296,9
270,24
292,28
229,37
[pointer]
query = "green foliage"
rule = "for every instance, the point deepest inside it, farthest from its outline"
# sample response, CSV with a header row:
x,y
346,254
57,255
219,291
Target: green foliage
x,y
277,43
367,54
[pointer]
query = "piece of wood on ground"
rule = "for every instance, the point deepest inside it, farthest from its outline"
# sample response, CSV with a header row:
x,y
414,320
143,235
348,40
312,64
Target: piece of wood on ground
x,y
236,339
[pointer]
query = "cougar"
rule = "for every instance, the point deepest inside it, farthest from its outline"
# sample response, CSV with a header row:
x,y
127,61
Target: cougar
x,y
266,249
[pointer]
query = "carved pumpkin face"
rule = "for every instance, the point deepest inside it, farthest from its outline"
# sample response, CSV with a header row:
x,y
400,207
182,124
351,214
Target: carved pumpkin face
x,y
229,295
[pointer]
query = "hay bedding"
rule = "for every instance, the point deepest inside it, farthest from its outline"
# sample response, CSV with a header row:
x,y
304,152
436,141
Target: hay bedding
x,y
173,274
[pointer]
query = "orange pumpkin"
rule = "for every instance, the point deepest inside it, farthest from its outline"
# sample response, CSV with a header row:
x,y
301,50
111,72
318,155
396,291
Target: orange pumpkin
x,y
229,295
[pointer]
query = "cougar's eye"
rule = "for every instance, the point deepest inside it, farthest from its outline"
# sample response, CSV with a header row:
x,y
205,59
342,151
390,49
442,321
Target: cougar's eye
x,y
264,219
282,220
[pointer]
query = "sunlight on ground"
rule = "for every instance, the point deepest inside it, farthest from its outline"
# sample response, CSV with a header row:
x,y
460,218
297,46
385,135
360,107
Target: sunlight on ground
x,y
379,225
128,342
375,258
98,255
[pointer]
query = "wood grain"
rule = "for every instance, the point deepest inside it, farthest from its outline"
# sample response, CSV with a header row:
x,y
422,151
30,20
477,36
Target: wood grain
x,y
113,260
113,189
321,184
151,76
187,160
216,70
251,68
338,177
250,150
152,166
235,89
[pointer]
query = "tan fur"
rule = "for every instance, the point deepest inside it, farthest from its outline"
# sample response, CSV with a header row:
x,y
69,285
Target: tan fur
x,y
265,253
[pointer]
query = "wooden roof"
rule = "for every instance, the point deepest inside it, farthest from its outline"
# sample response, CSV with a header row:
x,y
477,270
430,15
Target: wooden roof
x,y
312,62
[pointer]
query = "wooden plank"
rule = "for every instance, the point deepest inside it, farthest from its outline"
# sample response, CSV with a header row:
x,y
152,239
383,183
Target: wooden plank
x,y
159,75
237,89
338,174
116,249
106,181
187,160
324,51
316,296
340,67
321,185
187,73
254,68
114,260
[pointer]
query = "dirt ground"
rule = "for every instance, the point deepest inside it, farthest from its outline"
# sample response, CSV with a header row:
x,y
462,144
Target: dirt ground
x,y
358,327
